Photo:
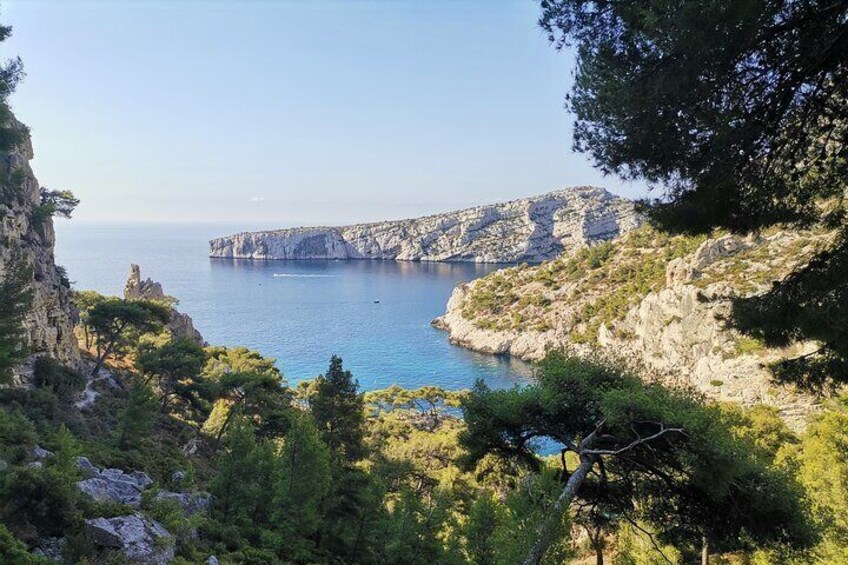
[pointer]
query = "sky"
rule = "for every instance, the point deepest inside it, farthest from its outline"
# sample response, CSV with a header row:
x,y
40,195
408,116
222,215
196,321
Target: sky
x,y
293,112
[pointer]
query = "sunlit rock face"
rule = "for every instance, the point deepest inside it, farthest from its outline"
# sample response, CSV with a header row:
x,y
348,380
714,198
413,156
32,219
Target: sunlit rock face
x,y
529,229
26,234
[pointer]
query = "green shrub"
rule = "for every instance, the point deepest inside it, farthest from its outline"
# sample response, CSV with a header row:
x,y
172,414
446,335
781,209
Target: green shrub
x,y
62,381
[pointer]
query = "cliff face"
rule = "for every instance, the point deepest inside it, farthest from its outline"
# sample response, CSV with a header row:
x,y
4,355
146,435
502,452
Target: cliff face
x,y
659,304
49,325
530,229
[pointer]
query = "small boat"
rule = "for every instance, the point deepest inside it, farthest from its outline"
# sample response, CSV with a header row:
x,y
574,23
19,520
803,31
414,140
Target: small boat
x,y
376,302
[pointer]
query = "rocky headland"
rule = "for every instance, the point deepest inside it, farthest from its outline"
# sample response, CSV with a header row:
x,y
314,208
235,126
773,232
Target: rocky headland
x,y
657,303
529,229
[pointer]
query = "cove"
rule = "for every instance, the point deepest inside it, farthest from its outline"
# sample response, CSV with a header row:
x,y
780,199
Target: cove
x,y
375,314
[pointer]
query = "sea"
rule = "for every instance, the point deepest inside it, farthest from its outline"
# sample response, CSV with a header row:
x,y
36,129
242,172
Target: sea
x,y
374,314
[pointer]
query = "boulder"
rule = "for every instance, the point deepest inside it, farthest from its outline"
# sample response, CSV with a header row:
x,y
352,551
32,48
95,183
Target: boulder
x,y
41,453
140,540
51,549
87,468
190,502
113,485
212,560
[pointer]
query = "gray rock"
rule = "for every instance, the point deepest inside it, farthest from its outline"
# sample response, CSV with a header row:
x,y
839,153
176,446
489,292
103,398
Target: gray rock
x,y
87,468
138,538
212,560
49,323
529,229
178,477
41,453
676,334
34,465
51,548
190,502
116,486
142,479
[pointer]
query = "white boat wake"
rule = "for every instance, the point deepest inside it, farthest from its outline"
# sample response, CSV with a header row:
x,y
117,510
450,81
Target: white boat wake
x,y
302,276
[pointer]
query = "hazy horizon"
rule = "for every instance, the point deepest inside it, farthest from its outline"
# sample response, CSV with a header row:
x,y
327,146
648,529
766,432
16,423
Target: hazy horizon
x,y
293,113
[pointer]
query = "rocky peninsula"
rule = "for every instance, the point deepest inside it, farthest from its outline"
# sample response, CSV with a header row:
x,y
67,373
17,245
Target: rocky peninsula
x,y
529,229
655,302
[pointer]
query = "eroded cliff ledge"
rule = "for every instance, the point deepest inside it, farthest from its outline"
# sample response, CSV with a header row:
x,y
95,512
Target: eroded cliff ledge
x,y
529,229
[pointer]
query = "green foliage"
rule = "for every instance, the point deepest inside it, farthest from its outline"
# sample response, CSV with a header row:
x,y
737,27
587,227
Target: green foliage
x,y
339,411
137,417
245,506
111,319
14,552
15,303
38,502
11,72
811,303
175,366
62,381
692,475
303,485
823,470
737,109
602,282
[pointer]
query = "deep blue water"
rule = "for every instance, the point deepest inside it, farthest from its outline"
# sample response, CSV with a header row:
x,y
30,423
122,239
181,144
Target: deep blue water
x,y
299,312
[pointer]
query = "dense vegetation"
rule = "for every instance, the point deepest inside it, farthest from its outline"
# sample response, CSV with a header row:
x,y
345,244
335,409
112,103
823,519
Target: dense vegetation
x,y
322,473
736,110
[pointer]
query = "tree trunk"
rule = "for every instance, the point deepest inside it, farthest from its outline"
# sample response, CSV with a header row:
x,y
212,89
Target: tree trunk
x,y
705,551
543,540
599,554
101,359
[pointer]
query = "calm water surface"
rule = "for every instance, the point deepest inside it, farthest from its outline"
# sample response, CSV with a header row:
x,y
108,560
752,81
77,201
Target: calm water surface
x,y
299,312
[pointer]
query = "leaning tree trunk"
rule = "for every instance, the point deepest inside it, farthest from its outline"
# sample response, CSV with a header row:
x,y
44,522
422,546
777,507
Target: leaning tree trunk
x,y
543,539
705,551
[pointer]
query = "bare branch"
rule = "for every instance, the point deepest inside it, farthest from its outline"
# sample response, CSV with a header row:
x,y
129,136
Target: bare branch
x,y
635,443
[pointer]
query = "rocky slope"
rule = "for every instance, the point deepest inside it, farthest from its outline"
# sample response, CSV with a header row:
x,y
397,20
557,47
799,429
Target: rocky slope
x,y
655,302
24,230
530,229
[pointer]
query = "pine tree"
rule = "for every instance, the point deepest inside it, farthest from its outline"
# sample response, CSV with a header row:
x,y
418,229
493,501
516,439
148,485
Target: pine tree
x,y
15,302
304,483
339,411
737,110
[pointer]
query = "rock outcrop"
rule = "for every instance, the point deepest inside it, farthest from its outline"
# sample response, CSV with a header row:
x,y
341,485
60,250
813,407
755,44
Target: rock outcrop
x,y
659,304
529,229
112,485
190,503
181,325
139,539
27,232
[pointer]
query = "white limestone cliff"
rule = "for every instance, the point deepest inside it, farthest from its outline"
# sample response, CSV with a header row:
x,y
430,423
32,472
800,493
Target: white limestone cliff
x,y
529,229
675,331
27,234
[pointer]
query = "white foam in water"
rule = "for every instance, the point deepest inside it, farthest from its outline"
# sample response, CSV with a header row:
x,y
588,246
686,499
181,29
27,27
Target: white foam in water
x,y
301,276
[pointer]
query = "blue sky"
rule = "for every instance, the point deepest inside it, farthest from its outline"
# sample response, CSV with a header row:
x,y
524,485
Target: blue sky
x,y
293,112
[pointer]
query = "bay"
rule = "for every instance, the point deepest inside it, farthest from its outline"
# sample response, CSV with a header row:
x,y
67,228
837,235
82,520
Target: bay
x,y
374,314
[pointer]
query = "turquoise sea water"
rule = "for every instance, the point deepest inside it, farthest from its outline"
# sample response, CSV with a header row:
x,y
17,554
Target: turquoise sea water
x,y
375,314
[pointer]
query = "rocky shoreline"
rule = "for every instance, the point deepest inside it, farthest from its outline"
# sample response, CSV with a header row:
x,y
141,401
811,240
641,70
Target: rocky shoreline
x,y
676,333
